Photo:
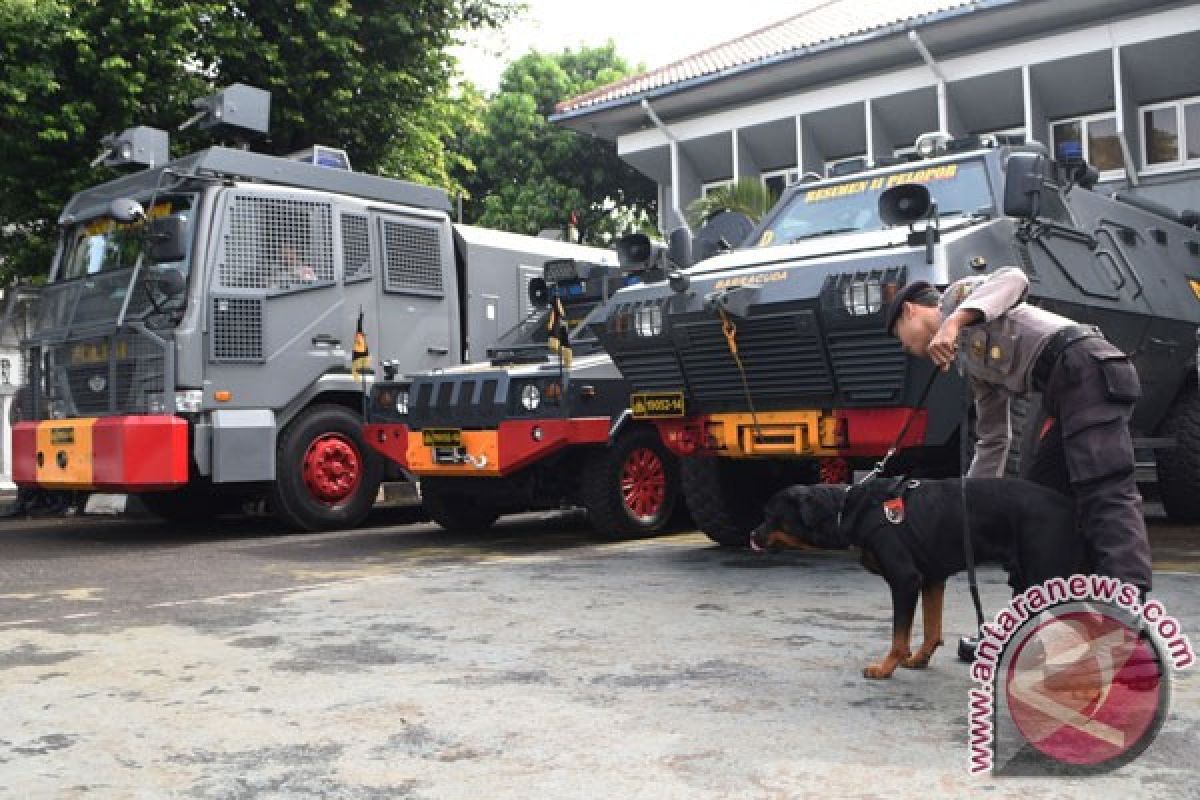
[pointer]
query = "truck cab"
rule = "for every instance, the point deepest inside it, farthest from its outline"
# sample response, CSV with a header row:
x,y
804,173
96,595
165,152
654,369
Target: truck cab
x,y
209,326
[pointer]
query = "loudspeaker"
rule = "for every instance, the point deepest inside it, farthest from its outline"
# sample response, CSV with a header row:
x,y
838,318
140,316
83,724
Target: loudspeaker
x,y
634,249
904,204
539,293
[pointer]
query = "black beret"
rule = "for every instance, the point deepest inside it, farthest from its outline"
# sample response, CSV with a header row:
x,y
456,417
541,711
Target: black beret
x,y
917,290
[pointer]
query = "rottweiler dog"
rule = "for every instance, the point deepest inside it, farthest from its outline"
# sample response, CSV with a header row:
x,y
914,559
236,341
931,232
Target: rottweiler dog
x,y
911,533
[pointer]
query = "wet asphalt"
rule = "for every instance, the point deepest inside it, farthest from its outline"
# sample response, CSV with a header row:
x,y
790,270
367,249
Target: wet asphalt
x,y
537,660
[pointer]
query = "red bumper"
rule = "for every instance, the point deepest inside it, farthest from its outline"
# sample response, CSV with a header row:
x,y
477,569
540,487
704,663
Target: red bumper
x,y
514,444
120,454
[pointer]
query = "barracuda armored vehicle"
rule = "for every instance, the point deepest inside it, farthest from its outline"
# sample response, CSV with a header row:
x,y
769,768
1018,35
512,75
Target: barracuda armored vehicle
x,y
542,424
215,364
770,365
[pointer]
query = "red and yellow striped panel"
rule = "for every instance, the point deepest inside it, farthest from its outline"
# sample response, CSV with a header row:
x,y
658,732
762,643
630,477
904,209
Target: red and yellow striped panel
x,y
125,454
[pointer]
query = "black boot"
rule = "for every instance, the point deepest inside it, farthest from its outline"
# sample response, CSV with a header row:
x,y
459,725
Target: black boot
x,y
967,646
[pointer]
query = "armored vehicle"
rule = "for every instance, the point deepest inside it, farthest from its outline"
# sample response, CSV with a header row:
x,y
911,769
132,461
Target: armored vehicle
x,y
194,343
542,424
771,364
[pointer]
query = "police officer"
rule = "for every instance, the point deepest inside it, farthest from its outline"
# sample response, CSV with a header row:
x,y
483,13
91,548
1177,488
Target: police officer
x,y
1088,387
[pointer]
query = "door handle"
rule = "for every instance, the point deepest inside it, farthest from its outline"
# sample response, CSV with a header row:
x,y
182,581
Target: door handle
x,y
325,340
438,351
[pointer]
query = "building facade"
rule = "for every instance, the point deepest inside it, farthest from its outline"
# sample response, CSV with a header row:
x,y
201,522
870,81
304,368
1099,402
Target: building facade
x,y
1118,81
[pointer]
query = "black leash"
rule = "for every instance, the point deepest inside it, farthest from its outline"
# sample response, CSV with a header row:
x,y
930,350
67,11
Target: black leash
x,y
965,466
912,414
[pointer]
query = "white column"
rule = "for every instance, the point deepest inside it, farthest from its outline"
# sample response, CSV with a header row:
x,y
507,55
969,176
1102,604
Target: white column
x,y
1128,132
1037,126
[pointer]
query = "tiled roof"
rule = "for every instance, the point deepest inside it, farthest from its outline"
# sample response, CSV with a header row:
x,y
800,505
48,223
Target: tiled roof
x,y
822,22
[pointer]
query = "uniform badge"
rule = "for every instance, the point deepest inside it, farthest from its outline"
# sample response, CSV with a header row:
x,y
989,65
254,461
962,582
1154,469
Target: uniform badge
x,y
894,510
996,352
977,348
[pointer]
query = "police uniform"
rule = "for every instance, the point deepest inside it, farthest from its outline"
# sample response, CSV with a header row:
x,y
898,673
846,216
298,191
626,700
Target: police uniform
x,y
1088,387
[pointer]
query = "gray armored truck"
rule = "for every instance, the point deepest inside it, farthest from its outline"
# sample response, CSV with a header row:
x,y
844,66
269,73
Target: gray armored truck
x,y
769,364
533,427
196,341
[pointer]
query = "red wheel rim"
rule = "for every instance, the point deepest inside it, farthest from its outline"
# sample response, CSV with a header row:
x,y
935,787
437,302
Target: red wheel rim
x,y
644,484
332,468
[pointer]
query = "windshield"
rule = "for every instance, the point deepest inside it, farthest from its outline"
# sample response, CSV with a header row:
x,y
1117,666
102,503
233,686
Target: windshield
x,y
853,204
102,245
96,273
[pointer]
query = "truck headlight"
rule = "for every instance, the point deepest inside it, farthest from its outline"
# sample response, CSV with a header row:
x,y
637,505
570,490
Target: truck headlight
x,y
648,321
531,397
189,401
863,297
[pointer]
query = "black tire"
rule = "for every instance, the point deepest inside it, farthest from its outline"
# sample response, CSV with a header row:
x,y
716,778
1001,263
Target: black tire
x,y
449,503
631,488
1179,467
725,497
326,477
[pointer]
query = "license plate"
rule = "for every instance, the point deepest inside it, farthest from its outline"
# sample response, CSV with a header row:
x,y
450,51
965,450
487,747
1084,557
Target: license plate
x,y
62,436
645,405
97,353
442,437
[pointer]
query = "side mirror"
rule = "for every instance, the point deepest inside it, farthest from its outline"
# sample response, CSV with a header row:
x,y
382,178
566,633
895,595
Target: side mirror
x,y
1024,176
679,247
165,240
126,210
169,282
905,204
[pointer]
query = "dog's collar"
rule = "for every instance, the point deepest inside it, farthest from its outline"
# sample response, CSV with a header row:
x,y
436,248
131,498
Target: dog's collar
x,y
899,485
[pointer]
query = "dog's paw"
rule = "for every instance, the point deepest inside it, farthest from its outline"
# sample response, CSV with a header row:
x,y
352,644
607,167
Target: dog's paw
x,y
877,672
921,658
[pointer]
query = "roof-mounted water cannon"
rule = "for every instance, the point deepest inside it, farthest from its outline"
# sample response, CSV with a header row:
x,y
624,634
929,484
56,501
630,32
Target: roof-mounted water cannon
x,y
235,111
141,146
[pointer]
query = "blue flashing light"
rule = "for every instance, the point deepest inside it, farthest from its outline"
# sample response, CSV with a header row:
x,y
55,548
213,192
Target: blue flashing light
x,y
1070,152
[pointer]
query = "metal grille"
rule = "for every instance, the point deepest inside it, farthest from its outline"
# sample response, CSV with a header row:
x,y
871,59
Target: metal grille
x,y
413,257
869,365
277,243
120,373
237,332
57,305
356,247
781,362
487,396
443,394
466,393
424,395
652,372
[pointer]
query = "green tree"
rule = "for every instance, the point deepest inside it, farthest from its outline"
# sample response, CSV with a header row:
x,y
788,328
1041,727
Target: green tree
x,y
532,174
750,196
368,75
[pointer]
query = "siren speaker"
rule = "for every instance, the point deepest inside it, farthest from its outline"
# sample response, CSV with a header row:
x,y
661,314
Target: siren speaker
x,y
904,204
